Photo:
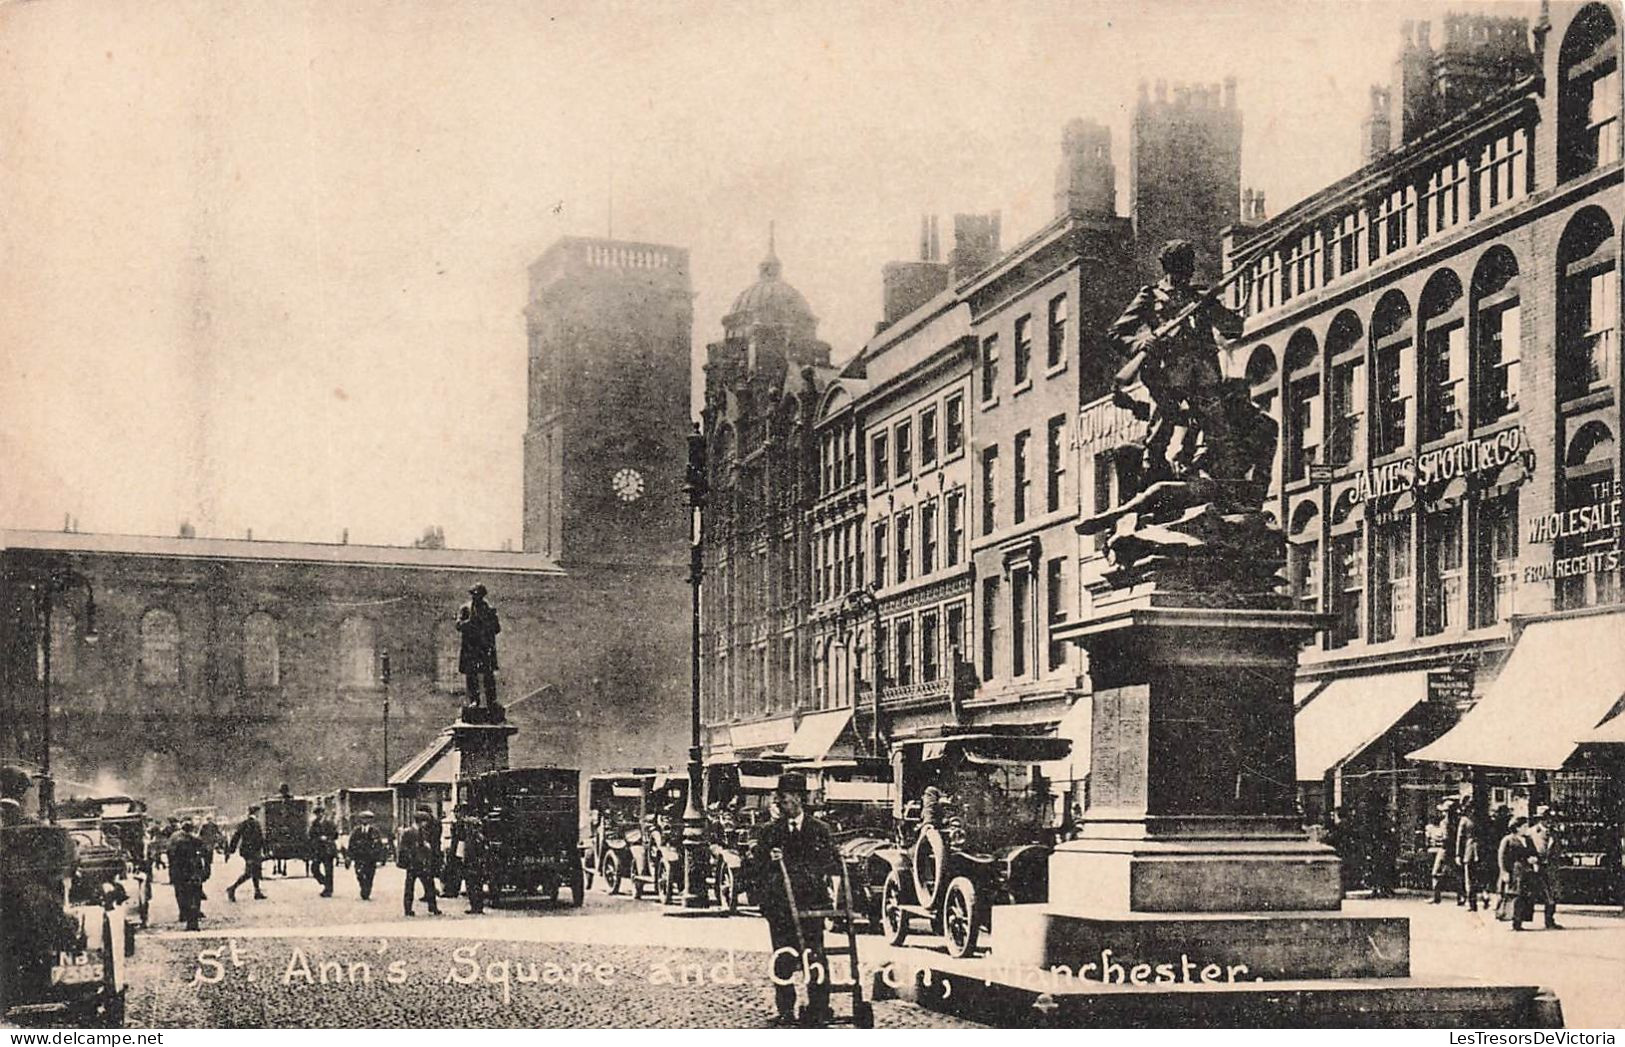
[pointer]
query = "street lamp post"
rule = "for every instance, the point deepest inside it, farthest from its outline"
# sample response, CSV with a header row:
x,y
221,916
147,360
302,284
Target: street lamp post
x,y
864,601
694,849
57,581
384,672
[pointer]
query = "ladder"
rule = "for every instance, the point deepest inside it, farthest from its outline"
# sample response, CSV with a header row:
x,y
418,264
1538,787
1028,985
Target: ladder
x,y
862,1014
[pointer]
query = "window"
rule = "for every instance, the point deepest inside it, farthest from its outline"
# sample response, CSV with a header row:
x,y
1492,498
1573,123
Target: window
x,y
1304,399
1055,600
358,652
879,546
883,655
881,472
262,660
1024,350
928,438
1588,304
903,434
1395,377
1444,597
1055,439
1056,354
1445,379
1019,595
954,435
852,470
1117,479
1023,483
930,651
1500,341
1588,483
160,648
1347,412
1444,200
1349,242
858,577
1390,578
1495,561
990,367
928,536
64,649
1394,219
990,625
1303,265
1303,558
1589,94
990,489
1500,168
956,634
905,542
826,571
1348,604
956,526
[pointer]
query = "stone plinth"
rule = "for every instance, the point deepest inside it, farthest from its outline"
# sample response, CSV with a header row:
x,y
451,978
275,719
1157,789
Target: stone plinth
x,y
479,747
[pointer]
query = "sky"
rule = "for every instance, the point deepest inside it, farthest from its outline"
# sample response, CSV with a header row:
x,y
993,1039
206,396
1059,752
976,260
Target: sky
x,y
262,266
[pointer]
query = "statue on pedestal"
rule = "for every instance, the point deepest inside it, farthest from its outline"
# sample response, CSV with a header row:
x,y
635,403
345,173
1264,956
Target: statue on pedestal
x,y
479,625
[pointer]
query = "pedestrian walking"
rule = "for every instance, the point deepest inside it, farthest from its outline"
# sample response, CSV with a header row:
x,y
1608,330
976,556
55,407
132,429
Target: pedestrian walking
x,y
248,840
418,852
367,849
1470,860
324,835
1548,848
1515,890
476,861
209,832
1441,842
186,873
792,863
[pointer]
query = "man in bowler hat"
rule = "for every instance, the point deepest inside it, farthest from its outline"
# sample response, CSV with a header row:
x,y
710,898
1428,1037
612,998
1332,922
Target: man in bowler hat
x,y
796,847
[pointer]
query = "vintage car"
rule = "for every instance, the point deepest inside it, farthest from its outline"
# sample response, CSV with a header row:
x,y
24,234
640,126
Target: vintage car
x,y
853,796
530,819
123,822
287,829
629,844
976,821
61,955
739,803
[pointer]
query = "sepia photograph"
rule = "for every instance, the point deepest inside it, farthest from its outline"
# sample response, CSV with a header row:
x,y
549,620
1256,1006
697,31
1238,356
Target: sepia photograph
x,y
1015,514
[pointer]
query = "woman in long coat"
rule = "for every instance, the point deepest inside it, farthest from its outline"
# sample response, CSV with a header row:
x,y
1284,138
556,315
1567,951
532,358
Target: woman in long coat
x,y
1516,888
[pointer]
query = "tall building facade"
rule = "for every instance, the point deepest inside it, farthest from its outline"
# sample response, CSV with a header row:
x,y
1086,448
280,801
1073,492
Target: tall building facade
x,y
1184,170
1438,334
763,383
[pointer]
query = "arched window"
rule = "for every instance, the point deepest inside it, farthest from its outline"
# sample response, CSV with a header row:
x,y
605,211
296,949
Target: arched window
x,y
1395,373
1587,304
1303,414
262,653
1347,579
160,648
358,652
1442,313
1303,556
1588,94
64,646
1588,481
1497,336
1345,393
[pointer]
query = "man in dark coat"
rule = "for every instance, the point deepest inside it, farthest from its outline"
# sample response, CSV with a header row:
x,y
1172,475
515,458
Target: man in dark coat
x,y
324,847
367,849
187,873
1548,847
799,847
1181,369
477,660
476,860
248,840
418,852
1470,859
209,832
1514,857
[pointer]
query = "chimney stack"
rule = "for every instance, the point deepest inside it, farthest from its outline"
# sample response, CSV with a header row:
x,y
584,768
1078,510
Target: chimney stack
x,y
1086,179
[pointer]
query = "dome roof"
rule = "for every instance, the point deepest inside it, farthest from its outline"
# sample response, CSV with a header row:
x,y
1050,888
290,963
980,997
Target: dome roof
x,y
770,299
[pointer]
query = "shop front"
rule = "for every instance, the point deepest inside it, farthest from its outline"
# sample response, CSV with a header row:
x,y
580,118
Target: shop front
x,y
1529,741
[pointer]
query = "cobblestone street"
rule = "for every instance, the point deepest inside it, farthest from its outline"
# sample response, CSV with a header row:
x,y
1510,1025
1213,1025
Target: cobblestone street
x,y
304,961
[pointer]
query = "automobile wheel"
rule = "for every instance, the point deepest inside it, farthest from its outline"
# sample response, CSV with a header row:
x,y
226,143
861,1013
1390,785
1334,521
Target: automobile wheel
x,y
727,889
578,889
961,917
611,872
893,920
930,857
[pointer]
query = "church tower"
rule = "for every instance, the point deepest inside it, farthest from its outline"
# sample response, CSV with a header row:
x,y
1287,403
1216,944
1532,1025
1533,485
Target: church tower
x,y
610,326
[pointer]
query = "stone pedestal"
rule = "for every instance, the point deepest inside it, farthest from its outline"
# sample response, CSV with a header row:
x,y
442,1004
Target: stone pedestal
x,y
477,748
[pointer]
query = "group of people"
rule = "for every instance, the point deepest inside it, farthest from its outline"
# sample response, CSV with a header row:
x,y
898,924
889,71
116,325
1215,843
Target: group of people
x,y
1520,868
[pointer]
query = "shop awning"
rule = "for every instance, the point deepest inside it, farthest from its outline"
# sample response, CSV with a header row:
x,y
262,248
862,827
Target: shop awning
x,y
1560,682
432,764
1351,713
1610,732
1303,690
817,734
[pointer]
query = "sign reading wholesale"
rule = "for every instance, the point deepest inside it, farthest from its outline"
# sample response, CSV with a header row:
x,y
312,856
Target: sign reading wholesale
x,y
1588,525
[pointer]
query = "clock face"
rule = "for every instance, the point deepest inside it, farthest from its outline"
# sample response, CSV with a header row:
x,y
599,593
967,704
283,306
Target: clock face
x,y
627,485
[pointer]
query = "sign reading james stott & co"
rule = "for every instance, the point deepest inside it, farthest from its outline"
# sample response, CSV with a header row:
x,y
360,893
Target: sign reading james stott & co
x,y
1439,465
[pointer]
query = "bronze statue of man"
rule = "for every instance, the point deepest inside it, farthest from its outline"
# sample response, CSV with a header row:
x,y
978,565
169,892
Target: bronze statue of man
x,y
478,623
1167,332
